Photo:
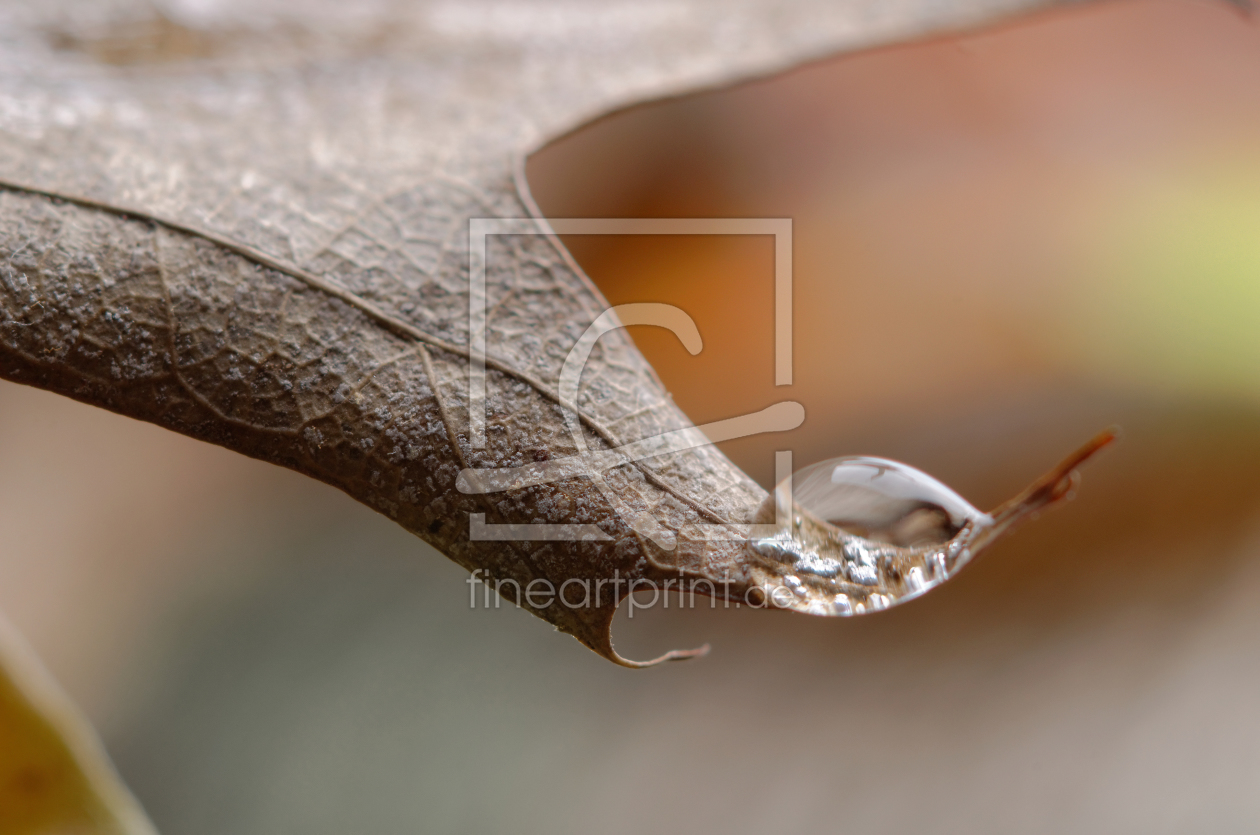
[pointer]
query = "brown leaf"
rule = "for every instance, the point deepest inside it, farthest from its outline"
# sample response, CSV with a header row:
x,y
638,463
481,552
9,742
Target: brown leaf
x,y
252,227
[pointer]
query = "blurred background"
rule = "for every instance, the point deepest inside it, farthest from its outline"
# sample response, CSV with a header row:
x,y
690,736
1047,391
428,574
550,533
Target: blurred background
x,y
1004,242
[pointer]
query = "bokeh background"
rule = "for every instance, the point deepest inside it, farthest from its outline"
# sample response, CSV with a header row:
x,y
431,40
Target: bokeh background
x,y
1004,241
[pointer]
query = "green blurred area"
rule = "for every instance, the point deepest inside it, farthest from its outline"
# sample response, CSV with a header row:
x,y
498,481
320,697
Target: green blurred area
x,y
1172,299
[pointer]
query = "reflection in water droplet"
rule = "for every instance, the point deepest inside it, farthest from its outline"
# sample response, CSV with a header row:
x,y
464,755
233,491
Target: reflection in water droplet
x,y
860,534
938,566
883,500
915,583
853,535
867,575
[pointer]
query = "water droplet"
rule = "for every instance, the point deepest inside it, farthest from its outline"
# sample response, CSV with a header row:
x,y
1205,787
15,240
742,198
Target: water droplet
x,y
794,583
867,575
865,529
811,563
915,581
883,500
939,569
861,534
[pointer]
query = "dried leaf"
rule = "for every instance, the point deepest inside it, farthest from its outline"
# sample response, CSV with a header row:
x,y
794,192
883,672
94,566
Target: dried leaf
x,y
250,225
54,776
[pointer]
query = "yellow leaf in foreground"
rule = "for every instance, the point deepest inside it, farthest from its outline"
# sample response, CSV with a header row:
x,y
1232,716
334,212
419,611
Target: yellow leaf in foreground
x,y
55,778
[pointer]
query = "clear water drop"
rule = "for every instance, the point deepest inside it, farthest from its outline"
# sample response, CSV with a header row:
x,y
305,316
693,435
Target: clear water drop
x,y
916,583
856,535
861,534
883,500
879,601
939,563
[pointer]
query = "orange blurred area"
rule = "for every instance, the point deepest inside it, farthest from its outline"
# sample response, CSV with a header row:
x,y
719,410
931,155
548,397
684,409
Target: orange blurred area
x,y
1004,241
968,215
